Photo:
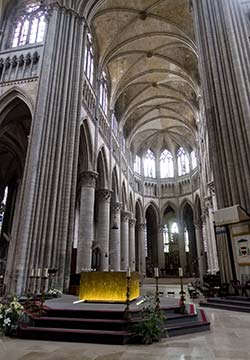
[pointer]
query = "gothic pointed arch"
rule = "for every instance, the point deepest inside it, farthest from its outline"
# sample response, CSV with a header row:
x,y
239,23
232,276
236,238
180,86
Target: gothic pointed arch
x,y
131,203
115,186
85,148
102,169
124,197
15,127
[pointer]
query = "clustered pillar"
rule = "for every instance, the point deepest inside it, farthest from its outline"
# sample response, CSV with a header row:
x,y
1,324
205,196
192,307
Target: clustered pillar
x,y
132,223
115,237
87,185
125,240
104,197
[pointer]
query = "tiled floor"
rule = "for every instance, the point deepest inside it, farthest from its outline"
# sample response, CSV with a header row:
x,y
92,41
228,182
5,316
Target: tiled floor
x,y
229,338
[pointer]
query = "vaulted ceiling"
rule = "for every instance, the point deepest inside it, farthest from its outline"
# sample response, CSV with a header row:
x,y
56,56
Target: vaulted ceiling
x,y
148,49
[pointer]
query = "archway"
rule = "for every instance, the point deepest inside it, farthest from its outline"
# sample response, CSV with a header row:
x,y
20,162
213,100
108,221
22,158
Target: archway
x,y
151,233
192,267
15,124
171,242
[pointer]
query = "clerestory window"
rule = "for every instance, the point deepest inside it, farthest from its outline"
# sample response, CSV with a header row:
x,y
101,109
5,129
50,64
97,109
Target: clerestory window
x,y
182,162
30,26
137,165
89,59
166,164
104,93
149,164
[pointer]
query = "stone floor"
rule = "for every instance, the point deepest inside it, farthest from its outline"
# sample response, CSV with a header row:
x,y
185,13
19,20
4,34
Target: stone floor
x,y
228,339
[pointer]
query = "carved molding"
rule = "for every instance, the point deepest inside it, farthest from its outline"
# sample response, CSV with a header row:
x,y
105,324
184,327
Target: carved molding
x,y
63,5
104,194
125,215
116,207
132,222
88,179
142,226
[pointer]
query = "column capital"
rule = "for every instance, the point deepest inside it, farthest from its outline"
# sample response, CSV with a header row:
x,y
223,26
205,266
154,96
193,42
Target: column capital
x,y
87,179
125,215
141,226
73,8
116,207
104,194
132,222
198,225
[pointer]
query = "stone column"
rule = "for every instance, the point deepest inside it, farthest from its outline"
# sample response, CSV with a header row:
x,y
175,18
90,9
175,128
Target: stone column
x,y
132,223
181,243
104,196
223,48
46,218
160,247
142,260
87,185
124,240
115,238
200,250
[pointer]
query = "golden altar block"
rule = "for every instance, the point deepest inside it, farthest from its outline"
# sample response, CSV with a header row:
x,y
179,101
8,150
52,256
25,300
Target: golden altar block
x,y
108,286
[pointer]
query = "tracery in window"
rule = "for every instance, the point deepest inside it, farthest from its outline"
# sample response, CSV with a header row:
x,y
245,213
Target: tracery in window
x,y
104,92
137,165
166,164
193,160
182,162
186,240
174,228
166,240
30,26
149,164
89,59
2,207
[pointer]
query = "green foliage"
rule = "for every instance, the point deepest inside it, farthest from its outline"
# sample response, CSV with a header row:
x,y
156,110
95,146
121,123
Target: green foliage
x,y
151,327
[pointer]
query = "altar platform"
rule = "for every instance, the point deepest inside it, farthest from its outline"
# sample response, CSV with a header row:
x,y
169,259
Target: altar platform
x,y
62,319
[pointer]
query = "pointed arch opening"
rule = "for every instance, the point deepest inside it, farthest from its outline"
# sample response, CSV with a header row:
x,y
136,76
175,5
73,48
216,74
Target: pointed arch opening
x,y
15,125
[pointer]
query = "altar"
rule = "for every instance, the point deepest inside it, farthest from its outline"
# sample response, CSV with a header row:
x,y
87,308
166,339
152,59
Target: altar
x,y
108,286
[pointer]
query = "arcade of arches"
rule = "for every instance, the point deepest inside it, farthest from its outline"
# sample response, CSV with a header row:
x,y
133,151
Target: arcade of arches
x,y
124,125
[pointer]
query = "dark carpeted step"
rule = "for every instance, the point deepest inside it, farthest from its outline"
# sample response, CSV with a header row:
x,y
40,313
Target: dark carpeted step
x,y
239,298
226,307
75,323
229,302
78,335
187,328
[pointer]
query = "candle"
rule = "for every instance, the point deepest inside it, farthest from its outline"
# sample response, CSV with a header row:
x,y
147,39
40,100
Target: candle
x,y
180,272
156,272
38,272
128,273
32,272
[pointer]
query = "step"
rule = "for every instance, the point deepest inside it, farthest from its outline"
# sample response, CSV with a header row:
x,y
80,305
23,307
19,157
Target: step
x,y
83,335
238,298
228,302
225,307
187,328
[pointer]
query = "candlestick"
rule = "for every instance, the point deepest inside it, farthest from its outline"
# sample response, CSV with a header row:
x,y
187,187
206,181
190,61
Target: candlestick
x,y
38,272
156,272
45,272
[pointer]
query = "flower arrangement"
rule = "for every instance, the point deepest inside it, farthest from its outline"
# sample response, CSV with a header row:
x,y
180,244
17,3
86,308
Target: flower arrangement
x,y
10,313
53,293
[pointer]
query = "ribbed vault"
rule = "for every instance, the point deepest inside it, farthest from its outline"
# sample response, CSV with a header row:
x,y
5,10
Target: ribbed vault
x,y
147,47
